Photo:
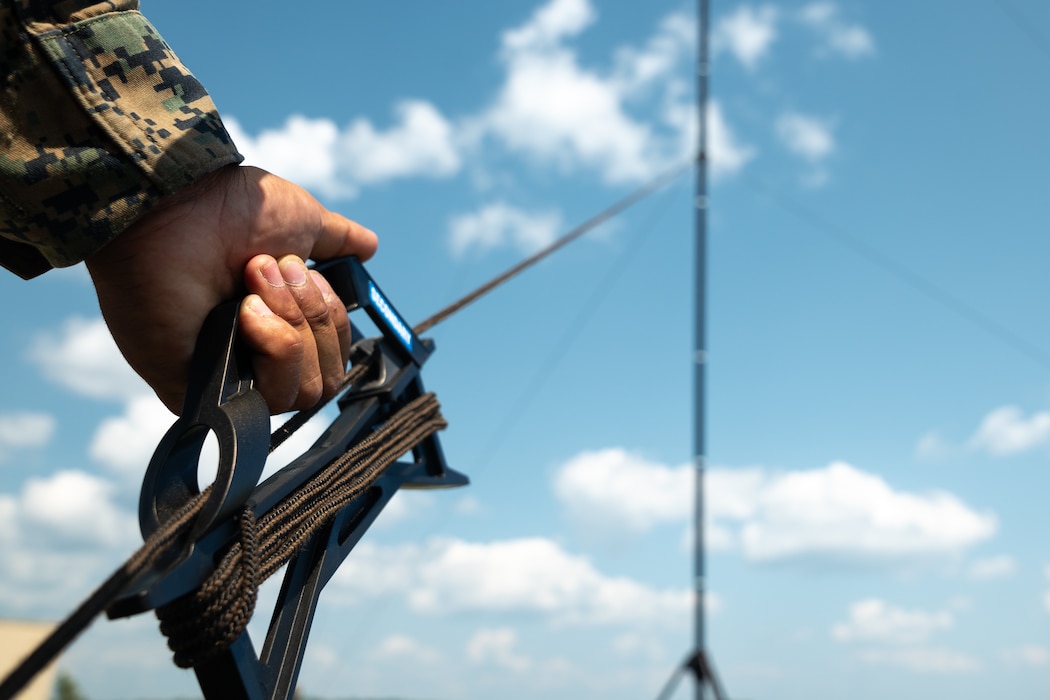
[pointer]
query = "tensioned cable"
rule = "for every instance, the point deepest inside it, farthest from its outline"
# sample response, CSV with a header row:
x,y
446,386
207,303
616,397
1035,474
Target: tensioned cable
x,y
559,349
654,185
177,527
1025,26
910,278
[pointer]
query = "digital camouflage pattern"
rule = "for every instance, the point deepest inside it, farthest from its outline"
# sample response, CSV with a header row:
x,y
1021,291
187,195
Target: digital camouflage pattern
x,y
98,120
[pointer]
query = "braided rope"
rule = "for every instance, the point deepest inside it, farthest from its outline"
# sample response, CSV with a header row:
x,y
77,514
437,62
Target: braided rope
x,y
204,623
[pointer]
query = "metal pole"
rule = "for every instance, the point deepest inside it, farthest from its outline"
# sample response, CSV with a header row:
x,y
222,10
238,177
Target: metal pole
x,y
700,346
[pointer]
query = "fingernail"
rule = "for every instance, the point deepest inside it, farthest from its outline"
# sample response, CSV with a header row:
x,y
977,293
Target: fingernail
x,y
322,284
259,307
294,272
272,274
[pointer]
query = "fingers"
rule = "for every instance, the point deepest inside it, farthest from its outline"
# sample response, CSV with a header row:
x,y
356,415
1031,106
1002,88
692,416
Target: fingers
x,y
298,330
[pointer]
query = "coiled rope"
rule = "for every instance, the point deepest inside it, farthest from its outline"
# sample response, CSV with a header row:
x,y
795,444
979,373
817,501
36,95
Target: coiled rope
x,y
207,621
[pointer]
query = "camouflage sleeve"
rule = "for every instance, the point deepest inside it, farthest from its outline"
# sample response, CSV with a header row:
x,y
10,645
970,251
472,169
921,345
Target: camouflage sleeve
x,y
98,120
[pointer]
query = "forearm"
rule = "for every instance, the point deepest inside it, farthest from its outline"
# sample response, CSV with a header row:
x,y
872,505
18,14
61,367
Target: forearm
x,y
98,121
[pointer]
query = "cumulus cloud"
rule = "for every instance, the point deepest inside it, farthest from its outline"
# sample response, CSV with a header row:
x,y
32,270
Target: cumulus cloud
x,y
401,647
1006,431
81,356
923,660
533,575
842,513
874,620
78,507
838,515
337,162
550,24
616,485
997,567
421,144
811,139
126,443
555,111
726,153
497,647
405,505
549,108
25,429
59,535
747,33
932,447
1003,432
1031,655
837,36
637,68
500,225
894,636
806,136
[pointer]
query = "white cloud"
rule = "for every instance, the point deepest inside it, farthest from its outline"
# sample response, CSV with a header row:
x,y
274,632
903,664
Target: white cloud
x,y
555,111
405,505
747,33
637,69
638,645
77,506
25,429
82,357
531,575
843,514
549,108
421,144
467,505
836,515
933,447
616,485
59,535
809,137
726,154
839,37
402,647
874,620
317,154
922,660
126,443
302,150
1005,431
997,567
497,647
1031,655
897,637
550,24
500,225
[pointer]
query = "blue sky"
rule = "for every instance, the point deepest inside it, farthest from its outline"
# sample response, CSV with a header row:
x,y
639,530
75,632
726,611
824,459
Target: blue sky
x,y
879,400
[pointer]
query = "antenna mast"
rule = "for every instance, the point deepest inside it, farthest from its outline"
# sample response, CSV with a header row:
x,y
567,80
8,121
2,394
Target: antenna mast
x,y
700,344
698,662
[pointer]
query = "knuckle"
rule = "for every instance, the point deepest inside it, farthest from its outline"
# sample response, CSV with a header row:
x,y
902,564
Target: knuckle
x,y
318,316
310,392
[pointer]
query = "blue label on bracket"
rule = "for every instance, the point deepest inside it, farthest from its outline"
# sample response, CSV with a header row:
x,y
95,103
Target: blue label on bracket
x,y
392,319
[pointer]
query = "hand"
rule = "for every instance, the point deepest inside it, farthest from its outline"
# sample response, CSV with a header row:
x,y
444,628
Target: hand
x,y
237,229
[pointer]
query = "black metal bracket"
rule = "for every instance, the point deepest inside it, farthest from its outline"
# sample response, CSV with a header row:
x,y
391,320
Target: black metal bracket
x,y
221,400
